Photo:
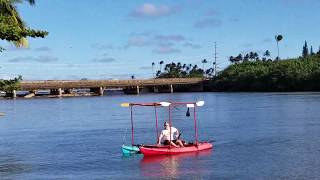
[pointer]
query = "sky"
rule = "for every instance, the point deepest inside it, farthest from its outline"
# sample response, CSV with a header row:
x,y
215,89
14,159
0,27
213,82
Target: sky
x,y
105,39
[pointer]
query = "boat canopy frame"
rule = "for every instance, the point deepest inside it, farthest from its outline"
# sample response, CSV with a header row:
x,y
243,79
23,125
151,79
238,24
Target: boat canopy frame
x,y
170,105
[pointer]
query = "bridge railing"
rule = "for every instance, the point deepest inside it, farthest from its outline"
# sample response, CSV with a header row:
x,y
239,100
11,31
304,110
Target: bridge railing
x,y
50,84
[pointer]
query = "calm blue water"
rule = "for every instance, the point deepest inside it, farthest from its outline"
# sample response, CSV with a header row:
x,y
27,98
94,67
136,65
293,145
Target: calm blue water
x,y
257,136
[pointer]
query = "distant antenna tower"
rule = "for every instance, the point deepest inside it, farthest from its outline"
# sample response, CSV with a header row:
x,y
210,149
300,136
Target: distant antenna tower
x,y
215,59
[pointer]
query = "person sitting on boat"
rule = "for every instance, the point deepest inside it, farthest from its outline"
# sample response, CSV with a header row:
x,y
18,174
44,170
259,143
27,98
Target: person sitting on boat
x,y
165,136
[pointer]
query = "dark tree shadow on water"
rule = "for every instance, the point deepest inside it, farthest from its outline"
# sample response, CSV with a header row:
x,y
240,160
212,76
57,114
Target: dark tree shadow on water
x,y
11,167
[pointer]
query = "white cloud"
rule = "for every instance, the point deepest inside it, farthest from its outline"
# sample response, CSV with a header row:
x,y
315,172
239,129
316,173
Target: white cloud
x,y
191,45
138,41
176,38
42,59
166,50
99,46
149,10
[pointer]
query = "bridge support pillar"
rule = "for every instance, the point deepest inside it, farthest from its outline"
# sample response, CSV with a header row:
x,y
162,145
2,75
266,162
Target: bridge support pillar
x,y
14,93
59,92
97,91
138,91
171,88
155,89
68,91
101,91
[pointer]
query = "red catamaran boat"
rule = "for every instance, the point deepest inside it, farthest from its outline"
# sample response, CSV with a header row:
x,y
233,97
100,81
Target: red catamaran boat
x,y
152,150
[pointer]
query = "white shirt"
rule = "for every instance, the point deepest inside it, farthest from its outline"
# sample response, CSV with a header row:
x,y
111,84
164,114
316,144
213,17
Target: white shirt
x,y
165,134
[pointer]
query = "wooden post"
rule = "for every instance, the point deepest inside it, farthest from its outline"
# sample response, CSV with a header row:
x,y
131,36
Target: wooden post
x,y
171,88
138,91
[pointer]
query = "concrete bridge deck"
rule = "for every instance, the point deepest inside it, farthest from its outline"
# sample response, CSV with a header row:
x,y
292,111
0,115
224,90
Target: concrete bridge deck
x,y
68,84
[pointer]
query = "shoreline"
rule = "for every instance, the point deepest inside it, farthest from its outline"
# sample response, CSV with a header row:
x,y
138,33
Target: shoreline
x,y
123,94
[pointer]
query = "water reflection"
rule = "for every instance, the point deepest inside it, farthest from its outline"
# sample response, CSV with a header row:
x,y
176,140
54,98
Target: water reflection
x,y
173,166
10,166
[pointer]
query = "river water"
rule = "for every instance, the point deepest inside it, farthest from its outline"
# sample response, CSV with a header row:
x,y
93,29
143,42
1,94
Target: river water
x,y
256,136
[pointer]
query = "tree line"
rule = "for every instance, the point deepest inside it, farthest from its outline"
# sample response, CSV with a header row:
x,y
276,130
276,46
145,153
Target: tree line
x,y
306,52
297,74
179,70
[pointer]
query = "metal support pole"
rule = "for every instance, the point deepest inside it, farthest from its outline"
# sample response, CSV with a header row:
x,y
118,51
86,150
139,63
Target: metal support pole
x,y
132,138
195,124
170,124
156,114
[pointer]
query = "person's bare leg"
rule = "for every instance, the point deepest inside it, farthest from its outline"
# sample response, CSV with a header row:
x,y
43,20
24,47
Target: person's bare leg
x,y
173,144
179,142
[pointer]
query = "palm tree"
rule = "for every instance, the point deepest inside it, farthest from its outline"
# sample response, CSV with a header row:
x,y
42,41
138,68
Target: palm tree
x,y
187,69
158,73
184,66
204,61
246,58
179,66
267,53
251,55
238,59
153,68
232,59
12,19
311,51
256,56
161,62
278,39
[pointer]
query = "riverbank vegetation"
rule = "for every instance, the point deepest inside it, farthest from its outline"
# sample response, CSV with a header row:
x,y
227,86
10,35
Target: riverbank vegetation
x,y
250,73
300,74
10,85
179,70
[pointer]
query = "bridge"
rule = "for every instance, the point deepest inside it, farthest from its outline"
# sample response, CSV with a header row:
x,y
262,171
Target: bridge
x,y
133,86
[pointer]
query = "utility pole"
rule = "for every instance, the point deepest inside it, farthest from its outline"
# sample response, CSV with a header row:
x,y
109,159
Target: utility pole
x,y
215,59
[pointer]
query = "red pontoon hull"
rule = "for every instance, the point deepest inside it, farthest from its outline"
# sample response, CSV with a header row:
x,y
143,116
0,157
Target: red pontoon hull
x,y
166,150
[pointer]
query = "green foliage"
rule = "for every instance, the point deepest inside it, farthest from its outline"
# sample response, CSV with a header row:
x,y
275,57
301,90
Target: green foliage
x,y
252,56
10,31
177,70
278,37
305,51
10,85
12,27
301,74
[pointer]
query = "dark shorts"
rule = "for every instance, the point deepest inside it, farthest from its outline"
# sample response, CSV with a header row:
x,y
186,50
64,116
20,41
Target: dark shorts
x,y
167,142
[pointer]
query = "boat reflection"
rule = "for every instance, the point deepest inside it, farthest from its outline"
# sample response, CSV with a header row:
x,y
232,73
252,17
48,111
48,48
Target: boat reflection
x,y
172,166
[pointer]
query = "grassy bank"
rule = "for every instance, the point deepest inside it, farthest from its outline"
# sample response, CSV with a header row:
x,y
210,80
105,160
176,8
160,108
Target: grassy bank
x,y
300,74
